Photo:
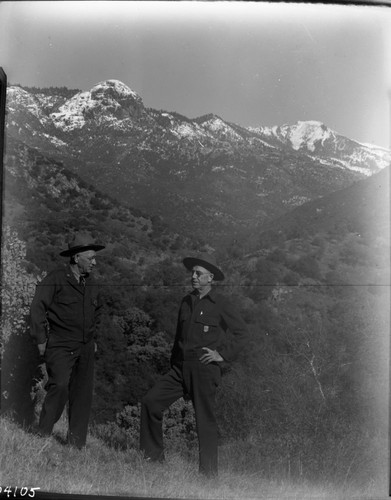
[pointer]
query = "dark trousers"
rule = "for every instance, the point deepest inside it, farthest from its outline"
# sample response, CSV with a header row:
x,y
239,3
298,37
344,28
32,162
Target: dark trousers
x,y
71,373
200,383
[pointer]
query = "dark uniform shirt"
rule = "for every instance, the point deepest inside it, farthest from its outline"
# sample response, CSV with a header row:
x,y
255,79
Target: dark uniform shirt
x,y
204,323
69,312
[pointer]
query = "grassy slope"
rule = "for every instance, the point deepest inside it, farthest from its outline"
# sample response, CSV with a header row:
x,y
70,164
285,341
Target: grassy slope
x,y
31,461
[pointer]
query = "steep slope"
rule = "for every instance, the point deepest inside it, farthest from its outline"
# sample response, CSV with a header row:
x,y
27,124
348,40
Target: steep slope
x,y
362,208
337,246
45,202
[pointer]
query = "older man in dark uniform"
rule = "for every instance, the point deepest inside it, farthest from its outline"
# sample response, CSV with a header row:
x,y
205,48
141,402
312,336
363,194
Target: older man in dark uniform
x,y
200,345
64,318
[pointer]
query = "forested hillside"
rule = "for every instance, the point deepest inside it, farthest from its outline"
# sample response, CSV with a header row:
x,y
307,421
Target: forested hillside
x,y
315,289
45,204
308,394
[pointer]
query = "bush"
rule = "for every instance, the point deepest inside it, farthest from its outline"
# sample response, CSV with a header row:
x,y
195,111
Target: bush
x,y
19,355
179,428
123,433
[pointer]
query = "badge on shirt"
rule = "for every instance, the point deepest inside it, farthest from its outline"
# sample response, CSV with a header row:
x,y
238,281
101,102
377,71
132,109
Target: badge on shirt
x,y
206,328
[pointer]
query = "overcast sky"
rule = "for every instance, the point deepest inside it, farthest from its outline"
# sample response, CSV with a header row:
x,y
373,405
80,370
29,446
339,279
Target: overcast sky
x,y
250,63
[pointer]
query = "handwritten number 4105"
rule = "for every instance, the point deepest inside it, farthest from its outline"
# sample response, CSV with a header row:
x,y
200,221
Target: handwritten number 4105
x,y
9,492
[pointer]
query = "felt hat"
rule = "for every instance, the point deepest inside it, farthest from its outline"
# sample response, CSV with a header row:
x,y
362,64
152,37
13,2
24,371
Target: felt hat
x,y
80,243
207,261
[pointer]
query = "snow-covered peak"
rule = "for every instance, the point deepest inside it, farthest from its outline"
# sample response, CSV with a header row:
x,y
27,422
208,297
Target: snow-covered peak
x,y
107,101
318,141
301,135
306,134
113,88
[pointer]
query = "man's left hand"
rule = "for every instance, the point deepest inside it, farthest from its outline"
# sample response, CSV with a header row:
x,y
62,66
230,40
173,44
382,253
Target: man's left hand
x,y
210,356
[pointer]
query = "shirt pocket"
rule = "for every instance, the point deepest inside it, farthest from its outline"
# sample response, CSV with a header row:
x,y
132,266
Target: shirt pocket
x,y
67,306
207,325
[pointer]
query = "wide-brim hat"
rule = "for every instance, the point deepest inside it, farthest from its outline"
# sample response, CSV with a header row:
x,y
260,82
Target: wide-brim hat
x,y
81,243
208,262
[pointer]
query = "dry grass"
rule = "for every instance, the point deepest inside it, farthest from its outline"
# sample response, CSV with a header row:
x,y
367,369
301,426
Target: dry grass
x,y
46,463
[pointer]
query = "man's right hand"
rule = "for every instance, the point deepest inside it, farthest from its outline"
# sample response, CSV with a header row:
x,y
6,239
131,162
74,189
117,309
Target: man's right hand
x,y
42,348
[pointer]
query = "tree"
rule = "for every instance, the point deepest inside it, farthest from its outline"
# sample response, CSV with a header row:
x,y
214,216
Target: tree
x,y
19,355
145,344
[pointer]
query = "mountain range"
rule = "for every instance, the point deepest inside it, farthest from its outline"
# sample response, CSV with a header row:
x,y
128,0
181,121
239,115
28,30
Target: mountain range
x,y
310,275
204,177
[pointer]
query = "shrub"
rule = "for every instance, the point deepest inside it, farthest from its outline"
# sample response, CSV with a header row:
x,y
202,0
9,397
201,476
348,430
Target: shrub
x,y
19,355
179,429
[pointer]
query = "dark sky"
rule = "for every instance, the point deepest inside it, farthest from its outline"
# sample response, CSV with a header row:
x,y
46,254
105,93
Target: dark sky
x,y
251,63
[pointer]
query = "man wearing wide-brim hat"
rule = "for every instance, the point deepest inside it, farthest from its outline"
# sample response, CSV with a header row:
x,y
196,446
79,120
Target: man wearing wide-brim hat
x,y
201,344
64,317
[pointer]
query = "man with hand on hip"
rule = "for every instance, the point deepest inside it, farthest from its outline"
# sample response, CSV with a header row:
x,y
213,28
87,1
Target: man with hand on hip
x,y
200,345
64,317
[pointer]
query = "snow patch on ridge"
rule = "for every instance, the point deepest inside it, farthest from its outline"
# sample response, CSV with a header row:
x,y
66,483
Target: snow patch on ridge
x,y
187,130
30,102
71,114
216,124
